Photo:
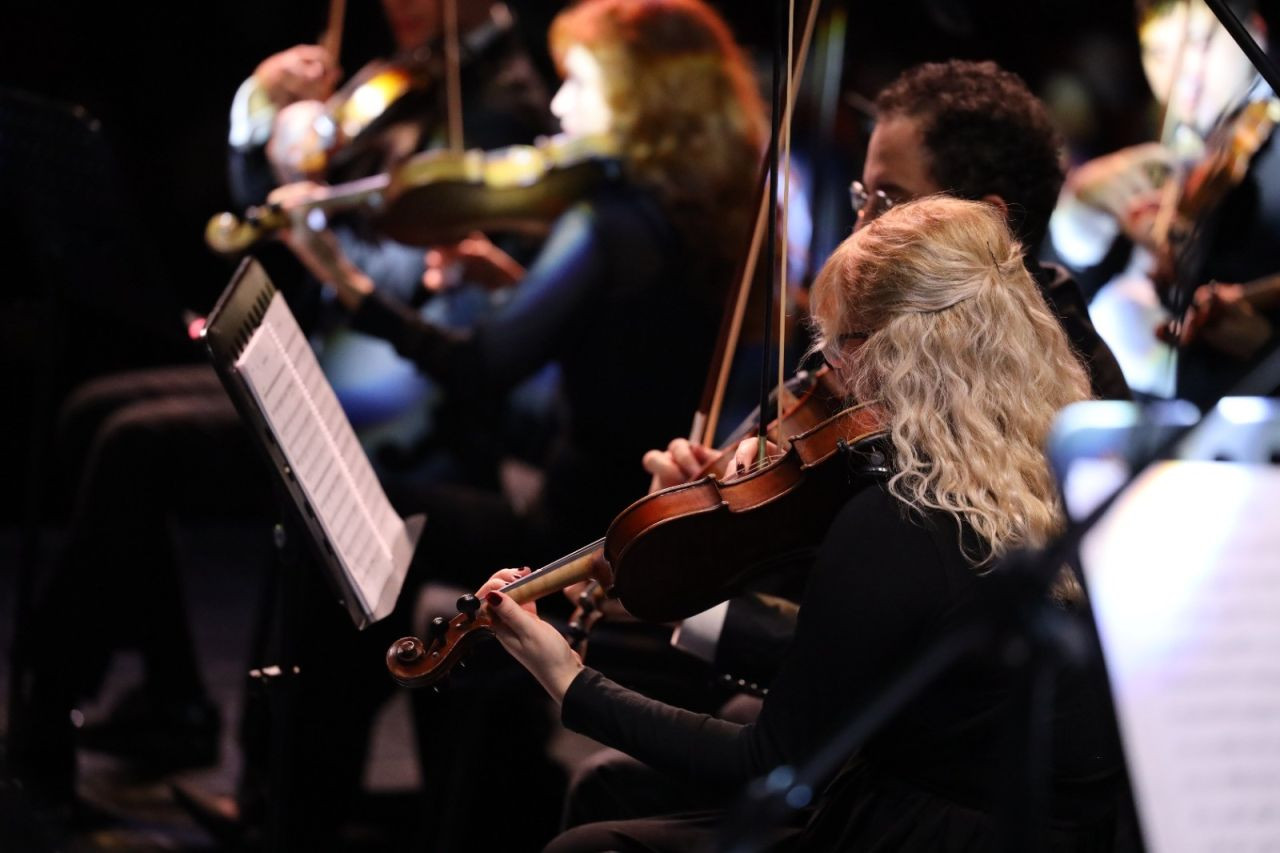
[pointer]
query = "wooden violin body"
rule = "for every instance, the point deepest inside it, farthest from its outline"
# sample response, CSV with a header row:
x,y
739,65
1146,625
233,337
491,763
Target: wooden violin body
x,y
1226,163
684,549
441,196
808,399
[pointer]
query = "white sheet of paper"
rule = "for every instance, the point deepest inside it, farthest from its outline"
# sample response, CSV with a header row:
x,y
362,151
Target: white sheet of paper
x,y
1184,577
368,537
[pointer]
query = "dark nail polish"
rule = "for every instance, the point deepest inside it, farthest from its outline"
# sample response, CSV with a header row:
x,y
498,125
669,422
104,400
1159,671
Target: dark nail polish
x,y
493,599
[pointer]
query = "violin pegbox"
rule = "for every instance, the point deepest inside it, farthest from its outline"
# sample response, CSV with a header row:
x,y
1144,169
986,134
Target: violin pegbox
x,y
419,663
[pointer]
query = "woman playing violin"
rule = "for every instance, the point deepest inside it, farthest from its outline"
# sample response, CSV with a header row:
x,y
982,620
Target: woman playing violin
x,y
624,295
906,312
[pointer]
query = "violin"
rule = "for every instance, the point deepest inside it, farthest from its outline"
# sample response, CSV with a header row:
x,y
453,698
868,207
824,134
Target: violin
x,y
799,493
1224,166
312,139
589,609
807,399
1231,150
681,550
441,196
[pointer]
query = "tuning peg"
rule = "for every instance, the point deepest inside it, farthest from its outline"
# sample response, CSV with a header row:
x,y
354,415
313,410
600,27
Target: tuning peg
x,y
469,605
437,628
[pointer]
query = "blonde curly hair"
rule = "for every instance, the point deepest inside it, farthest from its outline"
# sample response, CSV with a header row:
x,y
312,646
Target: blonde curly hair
x,y
685,108
930,310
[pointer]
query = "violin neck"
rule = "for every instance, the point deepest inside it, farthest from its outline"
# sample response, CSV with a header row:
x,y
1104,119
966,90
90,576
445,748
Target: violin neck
x,y
331,38
352,194
1263,293
581,565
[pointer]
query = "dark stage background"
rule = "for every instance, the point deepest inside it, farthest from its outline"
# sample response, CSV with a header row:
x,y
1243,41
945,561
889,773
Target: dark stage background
x,y
101,265
103,208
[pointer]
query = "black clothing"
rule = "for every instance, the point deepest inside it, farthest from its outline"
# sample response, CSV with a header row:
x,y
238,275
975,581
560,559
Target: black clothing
x,y
1066,300
609,302
756,630
884,586
1236,244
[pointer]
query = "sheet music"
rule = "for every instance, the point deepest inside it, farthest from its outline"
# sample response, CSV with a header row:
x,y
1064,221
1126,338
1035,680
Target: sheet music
x,y
366,534
1184,577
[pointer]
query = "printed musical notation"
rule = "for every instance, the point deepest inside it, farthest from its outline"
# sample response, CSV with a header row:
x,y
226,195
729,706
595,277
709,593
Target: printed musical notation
x,y
1184,579
343,494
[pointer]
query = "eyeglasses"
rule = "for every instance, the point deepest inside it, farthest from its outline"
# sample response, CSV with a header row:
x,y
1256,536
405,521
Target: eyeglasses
x,y
868,205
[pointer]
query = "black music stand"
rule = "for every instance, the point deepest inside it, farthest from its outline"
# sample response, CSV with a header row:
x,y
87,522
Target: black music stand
x,y
230,327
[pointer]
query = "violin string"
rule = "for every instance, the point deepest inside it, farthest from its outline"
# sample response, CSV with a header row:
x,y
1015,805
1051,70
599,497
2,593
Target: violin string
x,y
331,39
786,207
711,423
1169,120
453,74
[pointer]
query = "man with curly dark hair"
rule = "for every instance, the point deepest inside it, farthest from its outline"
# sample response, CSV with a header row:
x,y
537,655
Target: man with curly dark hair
x,y
974,130
985,135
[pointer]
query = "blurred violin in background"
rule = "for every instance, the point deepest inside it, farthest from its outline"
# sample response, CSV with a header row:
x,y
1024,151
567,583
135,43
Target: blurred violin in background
x,y
373,116
441,196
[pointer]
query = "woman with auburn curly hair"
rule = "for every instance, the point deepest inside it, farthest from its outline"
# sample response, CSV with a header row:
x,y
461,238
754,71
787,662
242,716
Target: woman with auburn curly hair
x,y
930,311
625,294
683,105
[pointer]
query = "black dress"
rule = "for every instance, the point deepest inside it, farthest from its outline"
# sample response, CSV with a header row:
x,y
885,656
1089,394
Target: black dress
x,y
886,585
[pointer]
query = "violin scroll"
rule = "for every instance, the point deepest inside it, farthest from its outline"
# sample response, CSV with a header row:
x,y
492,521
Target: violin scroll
x,y
228,234
415,663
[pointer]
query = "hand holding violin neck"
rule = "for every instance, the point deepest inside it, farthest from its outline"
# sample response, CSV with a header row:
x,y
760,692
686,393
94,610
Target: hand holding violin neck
x,y
414,663
584,564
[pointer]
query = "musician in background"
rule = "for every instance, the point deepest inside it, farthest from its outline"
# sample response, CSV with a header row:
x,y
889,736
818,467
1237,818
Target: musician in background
x,y
905,312
279,132
1127,207
670,229
972,130
288,124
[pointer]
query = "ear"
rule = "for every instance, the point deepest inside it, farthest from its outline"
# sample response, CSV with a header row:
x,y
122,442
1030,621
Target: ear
x,y
998,202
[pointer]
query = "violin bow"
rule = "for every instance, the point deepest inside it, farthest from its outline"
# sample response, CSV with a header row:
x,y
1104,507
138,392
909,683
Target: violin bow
x,y
331,38
1168,123
783,251
780,170
706,419
453,74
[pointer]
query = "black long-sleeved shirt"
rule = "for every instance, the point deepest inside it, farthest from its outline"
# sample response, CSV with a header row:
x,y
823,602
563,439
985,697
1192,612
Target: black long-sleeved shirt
x,y
610,300
884,586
